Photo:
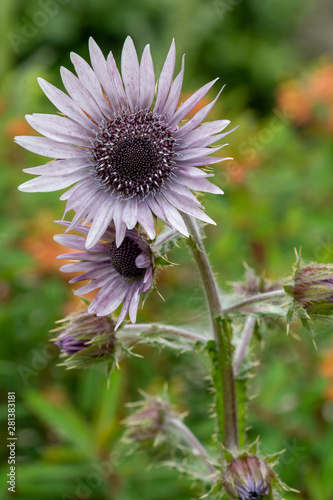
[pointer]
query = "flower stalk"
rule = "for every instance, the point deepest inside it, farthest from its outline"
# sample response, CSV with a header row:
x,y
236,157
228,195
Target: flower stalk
x,y
226,403
155,328
260,297
192,441
241,350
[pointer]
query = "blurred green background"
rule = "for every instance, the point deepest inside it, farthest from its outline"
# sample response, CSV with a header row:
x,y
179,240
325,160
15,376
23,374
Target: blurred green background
x,y
275,58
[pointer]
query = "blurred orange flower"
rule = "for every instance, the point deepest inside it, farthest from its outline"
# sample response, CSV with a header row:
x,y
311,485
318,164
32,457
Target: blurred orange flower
x,y
309,100
17,126
326,370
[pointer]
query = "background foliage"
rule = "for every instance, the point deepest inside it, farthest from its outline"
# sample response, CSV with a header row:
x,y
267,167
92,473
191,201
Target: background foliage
x,y
276,59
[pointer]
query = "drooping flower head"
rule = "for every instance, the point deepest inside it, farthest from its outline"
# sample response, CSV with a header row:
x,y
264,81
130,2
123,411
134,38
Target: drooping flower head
x,y
78,330
121,273
126,153
84,338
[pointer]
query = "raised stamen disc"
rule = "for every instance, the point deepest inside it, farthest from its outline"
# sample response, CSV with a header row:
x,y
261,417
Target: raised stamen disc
x,y
123,258
132,155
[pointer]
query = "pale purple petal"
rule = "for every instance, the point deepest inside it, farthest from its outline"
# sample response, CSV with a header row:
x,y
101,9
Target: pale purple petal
x,y
117,83
124,310
183,190
92,285
130,71
47,184
120,226
99,224
94,208
205,160
99,65
60,129
77,267
207,141
97,273
148,279
174,94
133,308
89,79
130,213
202,132
147,79
50,148
189,104
59,167
199,185
108,298
70,240
191,171
142,261
155,208
189,154
146,220
65,104
198,117
80,95
165,79
173,216
187,207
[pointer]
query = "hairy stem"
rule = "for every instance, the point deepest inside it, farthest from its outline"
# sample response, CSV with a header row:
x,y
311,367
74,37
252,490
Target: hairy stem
x,y
226,402
241,350
260,297
193,441
153,328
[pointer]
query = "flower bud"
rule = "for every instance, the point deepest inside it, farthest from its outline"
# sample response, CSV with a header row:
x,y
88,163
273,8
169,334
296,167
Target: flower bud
x,y
85,337
148,423
247,478
252,284
313,289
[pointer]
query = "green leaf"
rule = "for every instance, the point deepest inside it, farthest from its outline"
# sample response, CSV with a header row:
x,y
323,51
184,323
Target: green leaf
x,y
161,261
106,409
65,420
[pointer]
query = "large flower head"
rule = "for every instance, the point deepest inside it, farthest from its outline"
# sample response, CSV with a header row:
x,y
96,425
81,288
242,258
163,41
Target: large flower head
x,y
121,273
123,149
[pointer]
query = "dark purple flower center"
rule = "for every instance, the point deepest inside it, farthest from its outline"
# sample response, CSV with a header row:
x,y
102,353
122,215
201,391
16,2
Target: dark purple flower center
x,y
133,155
123,258
254,494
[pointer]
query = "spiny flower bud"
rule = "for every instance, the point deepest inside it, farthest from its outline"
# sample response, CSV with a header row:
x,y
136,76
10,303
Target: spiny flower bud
x,y
253,284
85,337
313,289
148,422
248,478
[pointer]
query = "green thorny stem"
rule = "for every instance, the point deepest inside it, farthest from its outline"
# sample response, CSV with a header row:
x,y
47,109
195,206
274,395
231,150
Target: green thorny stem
x,y
226,403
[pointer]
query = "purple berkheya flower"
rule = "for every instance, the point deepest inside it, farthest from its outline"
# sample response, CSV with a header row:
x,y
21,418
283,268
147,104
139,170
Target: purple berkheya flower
x,y
121,273
247,478
126,153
